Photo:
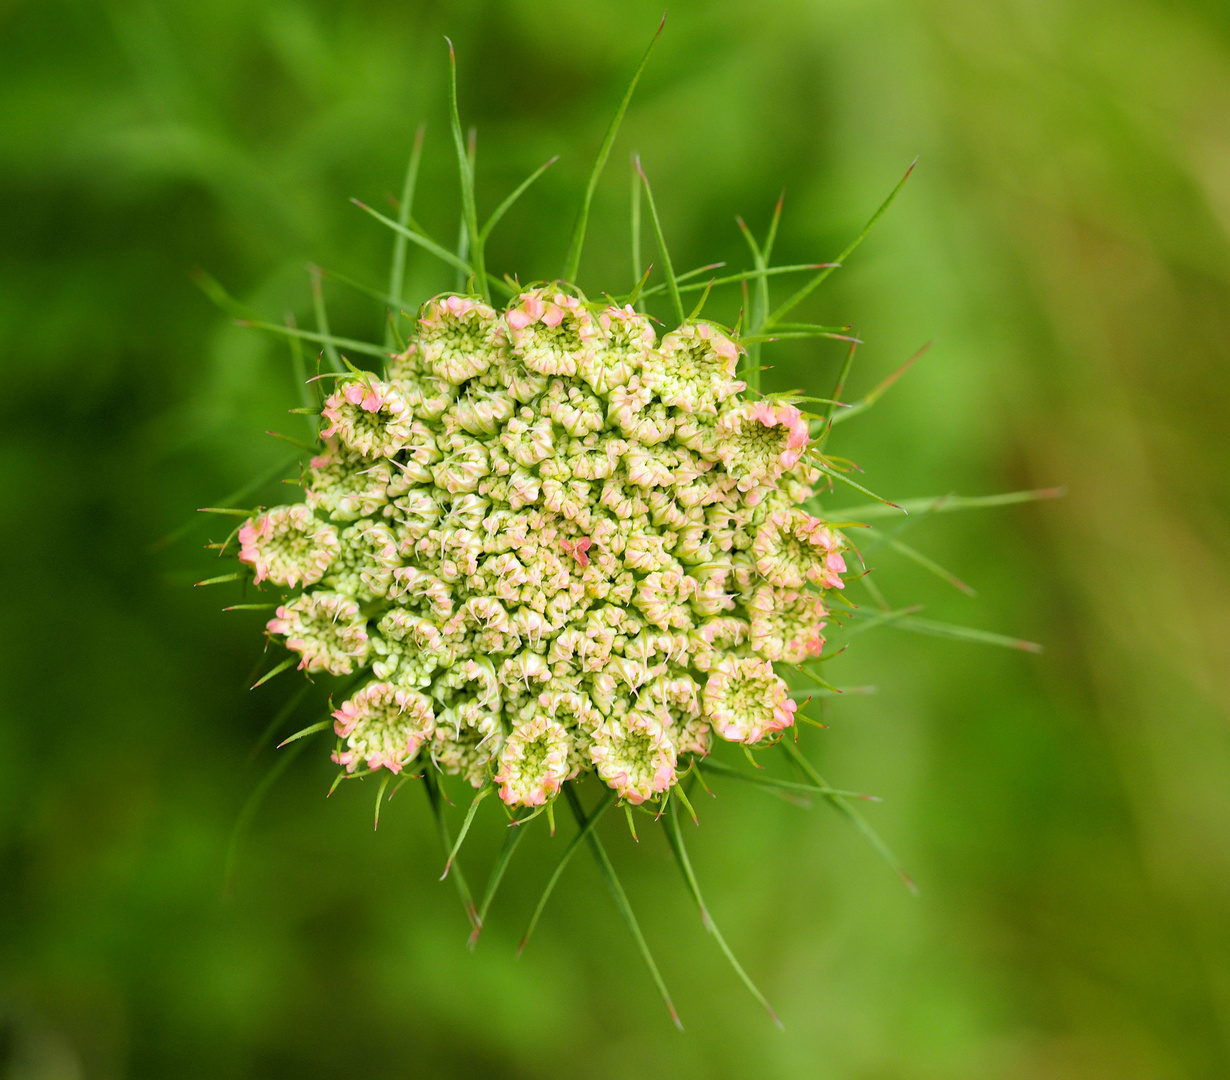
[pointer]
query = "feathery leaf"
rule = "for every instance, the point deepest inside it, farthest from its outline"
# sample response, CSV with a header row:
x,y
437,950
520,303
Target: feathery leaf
x,y
670,822
815,282
849,813
621,900
672,283
415,237
583,834
397,271
573,262
465,827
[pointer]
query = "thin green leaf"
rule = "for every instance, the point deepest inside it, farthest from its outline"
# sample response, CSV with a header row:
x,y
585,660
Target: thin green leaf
x,y
246,814
386,299
621,900
423,241
965,633
806,327
250,607
636,237
762,285
634,296
857,486
222,579
299,370
760,779
670,822
328,340
463,229
815,282
465,166
516,830
877,537
865,403
870,620
399,343
322,319
700,304
307,447
873,590
832,691
459,879
952,503
849,813
517,192
683,797
228,511
573,262
753,338
707,268
465,827
211,287
311,729
731,279
631,824
384,785
797,335
277,670
608,797
279,718
238,495
841,383
766,249
672,284
397,271
926,562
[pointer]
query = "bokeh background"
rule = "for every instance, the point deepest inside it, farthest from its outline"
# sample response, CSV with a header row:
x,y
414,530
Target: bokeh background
x,y
1065,241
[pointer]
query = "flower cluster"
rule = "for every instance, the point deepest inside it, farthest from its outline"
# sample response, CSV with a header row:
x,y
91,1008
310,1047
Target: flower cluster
x,y
558,544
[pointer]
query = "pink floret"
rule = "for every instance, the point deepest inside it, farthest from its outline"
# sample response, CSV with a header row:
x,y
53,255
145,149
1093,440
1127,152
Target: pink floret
x,y
787,416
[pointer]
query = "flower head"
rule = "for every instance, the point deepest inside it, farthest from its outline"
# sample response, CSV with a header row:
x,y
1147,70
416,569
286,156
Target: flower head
x,y
758,442
786,624
534,761
745,700
382,727
345,486
792,548
459,337
369,416
694,368
633,755
288,545
552,333
326,630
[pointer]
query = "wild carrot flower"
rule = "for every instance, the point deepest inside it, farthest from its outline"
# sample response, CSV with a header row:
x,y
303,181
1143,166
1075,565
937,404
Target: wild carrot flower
x,y
588,559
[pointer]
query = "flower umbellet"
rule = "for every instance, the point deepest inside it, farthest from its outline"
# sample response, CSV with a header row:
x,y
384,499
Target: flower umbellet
x,y
551,539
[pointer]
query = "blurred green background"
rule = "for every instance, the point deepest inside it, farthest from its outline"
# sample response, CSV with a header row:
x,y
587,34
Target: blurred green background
x,y
1066,242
